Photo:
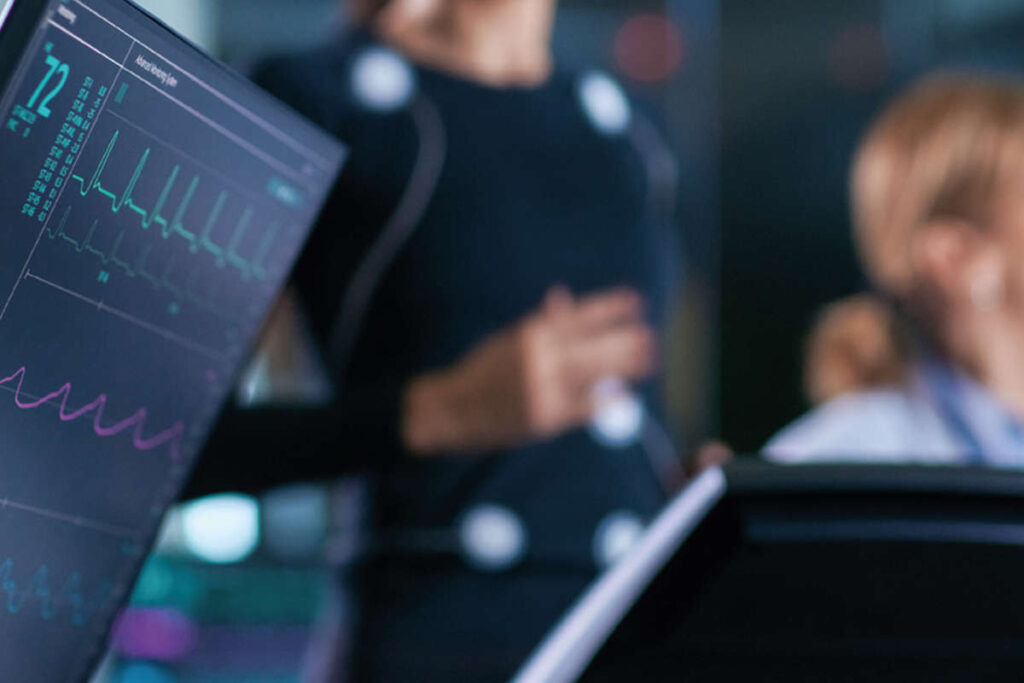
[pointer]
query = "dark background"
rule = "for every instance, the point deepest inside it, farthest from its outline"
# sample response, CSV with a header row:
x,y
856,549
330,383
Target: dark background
x,y
764,109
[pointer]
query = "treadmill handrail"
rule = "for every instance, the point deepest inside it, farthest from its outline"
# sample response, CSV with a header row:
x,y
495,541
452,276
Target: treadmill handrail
x,y
568,650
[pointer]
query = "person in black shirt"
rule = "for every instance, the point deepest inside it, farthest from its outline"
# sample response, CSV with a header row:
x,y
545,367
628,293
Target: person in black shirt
x,y
487,284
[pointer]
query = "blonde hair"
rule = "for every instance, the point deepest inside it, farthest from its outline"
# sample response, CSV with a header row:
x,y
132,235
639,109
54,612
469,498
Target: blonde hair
x,y
941,150
945,149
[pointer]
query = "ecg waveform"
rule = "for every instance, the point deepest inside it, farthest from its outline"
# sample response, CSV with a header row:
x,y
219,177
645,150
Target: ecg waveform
x,y
171,437
133,268
197,240
51,604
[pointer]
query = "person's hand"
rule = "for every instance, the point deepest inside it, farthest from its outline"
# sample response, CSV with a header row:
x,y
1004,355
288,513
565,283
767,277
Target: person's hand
x,y
710,454
533,380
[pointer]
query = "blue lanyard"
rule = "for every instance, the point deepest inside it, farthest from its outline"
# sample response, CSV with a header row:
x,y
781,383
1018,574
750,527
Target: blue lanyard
x,y
945,392
949,394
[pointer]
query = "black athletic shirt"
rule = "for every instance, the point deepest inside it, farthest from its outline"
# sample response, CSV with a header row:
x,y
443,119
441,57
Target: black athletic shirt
x,y
459,207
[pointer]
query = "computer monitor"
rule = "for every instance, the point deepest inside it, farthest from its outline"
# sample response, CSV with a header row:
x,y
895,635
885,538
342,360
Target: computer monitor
x,y
152,204
811,573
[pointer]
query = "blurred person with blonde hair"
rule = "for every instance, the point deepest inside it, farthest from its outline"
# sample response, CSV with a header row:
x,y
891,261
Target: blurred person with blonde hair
x,y
486,287
932,369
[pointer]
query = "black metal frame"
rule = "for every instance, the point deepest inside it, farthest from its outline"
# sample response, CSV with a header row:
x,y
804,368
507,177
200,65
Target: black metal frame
x,y
765,504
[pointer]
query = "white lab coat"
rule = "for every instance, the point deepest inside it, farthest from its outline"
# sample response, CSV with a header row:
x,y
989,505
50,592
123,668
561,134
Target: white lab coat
x,y
940,416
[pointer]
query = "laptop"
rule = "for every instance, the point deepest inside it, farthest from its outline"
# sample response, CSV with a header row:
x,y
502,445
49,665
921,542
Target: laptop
x,y
152,204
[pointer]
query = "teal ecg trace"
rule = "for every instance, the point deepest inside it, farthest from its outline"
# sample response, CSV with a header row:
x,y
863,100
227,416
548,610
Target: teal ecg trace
x,y
200,240
132,268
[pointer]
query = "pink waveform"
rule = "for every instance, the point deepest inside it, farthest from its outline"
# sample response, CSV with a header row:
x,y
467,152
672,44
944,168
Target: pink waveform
x,y
170,436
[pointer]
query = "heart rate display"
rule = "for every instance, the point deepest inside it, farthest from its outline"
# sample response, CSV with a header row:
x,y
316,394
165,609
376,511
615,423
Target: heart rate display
x,y
152,204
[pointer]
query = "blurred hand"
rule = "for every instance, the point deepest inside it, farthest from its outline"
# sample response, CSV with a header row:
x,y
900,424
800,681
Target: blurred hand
x,y
710,454
533,380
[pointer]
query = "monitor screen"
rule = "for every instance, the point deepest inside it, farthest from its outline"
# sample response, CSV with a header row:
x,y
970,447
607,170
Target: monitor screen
x,y
152,204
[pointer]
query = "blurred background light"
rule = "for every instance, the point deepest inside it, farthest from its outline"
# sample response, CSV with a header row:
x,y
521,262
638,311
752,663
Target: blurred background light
x,y
194,19
857,58
295,522
221,529
649,48
171,538
163,635
144,672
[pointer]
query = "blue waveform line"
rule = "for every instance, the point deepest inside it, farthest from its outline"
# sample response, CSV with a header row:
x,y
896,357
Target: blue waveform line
x,y
37,595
